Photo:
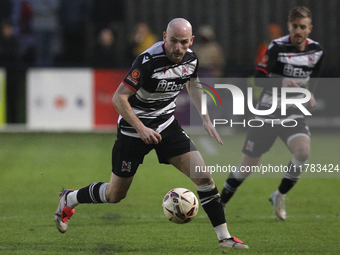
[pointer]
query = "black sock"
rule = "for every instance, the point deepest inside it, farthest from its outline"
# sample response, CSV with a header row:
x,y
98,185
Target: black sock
x,y
90,194
286,185
211,204
290,178
230,187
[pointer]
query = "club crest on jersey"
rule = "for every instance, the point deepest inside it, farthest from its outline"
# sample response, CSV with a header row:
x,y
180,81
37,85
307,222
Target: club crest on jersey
x,y
126,166
311,60
185,69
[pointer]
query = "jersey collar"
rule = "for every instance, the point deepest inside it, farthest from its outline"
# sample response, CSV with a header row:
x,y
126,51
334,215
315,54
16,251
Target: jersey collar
x,y
290,41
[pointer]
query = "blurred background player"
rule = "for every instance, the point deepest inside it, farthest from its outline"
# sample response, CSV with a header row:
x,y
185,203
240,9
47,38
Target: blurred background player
x,y
274,31
291,60
105,52
209,52
141,39
45,27
145,101
9,45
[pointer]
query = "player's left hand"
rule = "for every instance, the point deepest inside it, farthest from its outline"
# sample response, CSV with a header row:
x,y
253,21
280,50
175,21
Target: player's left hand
x,y
208,126
311,103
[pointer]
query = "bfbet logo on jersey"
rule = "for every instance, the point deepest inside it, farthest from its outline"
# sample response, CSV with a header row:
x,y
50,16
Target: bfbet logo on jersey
x,y
238,104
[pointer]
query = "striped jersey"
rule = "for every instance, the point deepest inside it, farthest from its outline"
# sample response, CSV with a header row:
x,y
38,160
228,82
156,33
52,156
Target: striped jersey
x,y
157,81
282,59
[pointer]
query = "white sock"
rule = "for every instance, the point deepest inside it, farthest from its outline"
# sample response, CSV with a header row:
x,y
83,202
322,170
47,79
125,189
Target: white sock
x,y
102,192
222,231
296,162
240,176
72,199
295,174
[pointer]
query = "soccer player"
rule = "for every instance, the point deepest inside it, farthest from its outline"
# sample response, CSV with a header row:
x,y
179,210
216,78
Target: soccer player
x,y
293,60
145,101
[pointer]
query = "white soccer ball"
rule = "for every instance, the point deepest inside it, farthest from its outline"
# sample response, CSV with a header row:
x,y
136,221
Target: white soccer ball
x,y
180,205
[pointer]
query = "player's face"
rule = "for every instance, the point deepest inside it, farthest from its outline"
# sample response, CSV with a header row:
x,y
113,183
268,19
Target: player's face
x,y
176,43
299,29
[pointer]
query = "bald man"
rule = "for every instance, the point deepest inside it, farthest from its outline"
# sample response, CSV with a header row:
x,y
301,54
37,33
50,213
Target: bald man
x,y
145,101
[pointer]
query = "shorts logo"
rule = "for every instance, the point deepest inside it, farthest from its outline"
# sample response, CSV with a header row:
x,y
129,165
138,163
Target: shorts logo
x,y
126,166
250,146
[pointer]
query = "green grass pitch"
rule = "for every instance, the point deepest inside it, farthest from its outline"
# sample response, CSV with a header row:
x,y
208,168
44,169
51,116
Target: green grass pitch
x,y
34,167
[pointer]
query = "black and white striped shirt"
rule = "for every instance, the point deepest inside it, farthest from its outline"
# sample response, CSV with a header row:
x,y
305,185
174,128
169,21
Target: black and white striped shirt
x,y
283,59
157,81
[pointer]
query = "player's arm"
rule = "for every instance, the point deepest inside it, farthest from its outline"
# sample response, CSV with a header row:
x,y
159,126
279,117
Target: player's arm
x,y
195,95
123,107
266,65
314,82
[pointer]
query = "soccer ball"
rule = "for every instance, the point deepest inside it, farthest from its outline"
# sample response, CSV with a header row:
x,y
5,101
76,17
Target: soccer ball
x,y
180,205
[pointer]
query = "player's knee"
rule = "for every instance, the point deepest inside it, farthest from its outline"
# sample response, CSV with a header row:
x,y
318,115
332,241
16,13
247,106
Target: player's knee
x,y
302,154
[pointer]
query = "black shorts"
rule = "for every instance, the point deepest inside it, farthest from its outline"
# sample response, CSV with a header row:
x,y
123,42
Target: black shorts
x,y
128,152
260,139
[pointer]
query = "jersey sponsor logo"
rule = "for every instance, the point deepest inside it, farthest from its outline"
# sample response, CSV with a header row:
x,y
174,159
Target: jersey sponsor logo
x,y
290,70
126,166
164,85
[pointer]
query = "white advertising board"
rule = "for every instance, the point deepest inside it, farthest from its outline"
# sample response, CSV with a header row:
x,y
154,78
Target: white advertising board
x,y
60,99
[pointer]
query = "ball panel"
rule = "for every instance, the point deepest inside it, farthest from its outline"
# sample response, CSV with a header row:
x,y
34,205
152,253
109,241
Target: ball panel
x,y
180,205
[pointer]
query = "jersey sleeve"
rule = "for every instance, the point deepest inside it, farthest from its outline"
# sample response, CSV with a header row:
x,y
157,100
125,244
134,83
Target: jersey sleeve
x,y
315,75
269,59
195,73
265,67
133,79
317,68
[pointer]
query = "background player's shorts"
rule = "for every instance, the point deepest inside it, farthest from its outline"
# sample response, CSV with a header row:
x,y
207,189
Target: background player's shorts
x,y
260,139
128,152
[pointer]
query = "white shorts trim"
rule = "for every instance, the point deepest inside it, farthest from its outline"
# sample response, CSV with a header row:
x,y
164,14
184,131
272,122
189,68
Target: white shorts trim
x,y
289,139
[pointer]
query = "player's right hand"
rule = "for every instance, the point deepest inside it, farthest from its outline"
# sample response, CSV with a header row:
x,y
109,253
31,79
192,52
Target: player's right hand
x,y
208,126
149,136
